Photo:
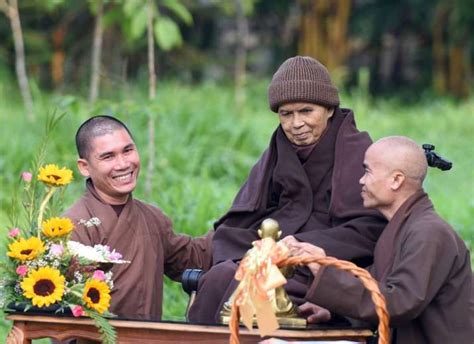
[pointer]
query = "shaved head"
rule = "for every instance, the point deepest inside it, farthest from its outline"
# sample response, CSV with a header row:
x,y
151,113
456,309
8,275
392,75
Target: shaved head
x,y
399,153
94,127
395,168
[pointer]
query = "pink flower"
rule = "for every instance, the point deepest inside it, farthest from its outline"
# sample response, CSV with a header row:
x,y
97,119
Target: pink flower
x,y
99,275
56,249
14,232
26,176
115,256
22,270
77,311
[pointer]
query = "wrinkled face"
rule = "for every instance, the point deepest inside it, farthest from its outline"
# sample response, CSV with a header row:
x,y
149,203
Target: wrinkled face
x,y
304,123
113,164
376,181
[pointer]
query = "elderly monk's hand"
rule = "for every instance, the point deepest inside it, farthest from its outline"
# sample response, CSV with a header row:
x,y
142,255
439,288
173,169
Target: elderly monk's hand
x,y
306,249
313,313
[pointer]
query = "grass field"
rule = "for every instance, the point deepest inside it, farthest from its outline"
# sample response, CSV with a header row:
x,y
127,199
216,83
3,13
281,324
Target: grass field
x,y
206,146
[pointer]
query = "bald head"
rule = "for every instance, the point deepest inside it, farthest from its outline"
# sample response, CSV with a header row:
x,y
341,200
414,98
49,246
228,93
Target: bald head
x,y
395,168
399,153
94,127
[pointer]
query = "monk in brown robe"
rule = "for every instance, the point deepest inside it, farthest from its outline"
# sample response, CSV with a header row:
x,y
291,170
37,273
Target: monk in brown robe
x,y
422,266
307,180
107,214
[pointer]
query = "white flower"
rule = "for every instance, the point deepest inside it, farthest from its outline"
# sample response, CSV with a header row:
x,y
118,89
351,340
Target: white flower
x,y
17,288
56,250
78,276
94,221
42,263
98,253
108,279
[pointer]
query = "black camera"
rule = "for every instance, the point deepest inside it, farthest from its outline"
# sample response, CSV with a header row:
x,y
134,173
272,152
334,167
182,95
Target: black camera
x,y
434,160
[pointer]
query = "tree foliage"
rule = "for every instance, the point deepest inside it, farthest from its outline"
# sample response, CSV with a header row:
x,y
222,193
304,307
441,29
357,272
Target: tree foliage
x,y
404,45
166,29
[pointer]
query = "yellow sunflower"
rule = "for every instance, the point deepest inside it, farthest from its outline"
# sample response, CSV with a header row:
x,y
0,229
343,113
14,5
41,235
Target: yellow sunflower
x,y
54,176
44,286
96,295
57,227
26,249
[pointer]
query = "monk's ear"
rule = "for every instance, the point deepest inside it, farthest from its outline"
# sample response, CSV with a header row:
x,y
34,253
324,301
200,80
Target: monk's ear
x,y
398,178
330,112
83,167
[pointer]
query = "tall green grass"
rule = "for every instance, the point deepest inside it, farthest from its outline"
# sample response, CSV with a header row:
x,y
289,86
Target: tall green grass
x,y
206,147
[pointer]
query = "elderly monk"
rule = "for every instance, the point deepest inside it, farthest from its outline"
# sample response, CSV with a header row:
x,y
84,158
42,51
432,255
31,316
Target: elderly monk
x,y
422,266
109,159
306,180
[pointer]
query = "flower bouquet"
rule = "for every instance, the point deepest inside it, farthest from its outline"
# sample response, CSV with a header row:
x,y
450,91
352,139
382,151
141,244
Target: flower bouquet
x,y
44,270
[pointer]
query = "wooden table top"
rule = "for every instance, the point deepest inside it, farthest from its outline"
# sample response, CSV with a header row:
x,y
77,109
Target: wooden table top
x,y
27,327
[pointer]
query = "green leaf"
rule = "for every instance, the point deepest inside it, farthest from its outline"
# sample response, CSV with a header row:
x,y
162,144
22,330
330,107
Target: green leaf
x,y
138,22
114,15
51,5
107,331
131,6
167,33
179,9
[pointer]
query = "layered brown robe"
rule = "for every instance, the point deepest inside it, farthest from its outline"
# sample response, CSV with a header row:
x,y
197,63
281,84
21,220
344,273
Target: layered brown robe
x,y
315,198
144,236
424,271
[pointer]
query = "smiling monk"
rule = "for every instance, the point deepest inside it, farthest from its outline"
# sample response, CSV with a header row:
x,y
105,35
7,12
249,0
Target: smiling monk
x,y
107,214
307,180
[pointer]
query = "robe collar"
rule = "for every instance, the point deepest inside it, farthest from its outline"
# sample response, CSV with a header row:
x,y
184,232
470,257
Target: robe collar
x,y
384,253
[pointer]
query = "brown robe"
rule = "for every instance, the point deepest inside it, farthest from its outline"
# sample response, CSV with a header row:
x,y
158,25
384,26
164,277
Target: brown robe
x,y
144,236
424,272
316,200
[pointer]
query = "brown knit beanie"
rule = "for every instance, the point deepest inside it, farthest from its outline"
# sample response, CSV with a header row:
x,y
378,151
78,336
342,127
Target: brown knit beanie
x,y
302,79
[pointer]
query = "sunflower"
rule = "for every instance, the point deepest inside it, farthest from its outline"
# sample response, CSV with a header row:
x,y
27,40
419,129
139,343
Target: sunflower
x,y
97,295
26,249
57,227
54,176
44,286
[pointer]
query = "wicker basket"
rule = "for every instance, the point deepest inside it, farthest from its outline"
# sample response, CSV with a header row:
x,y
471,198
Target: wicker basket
x,y
366,279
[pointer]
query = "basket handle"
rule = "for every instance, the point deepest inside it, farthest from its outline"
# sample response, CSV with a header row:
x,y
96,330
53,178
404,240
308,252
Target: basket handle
x,y
369,283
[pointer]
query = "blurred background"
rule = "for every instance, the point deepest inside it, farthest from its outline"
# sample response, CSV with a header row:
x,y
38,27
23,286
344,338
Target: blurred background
x,y
190,79
410,47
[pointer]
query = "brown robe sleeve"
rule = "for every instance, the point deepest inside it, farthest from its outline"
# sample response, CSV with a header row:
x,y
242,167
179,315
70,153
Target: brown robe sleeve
x,y
180,251
353,240
184,252
428,261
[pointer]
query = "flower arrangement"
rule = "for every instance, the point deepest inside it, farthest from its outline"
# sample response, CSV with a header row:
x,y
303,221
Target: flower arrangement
x,y
43,268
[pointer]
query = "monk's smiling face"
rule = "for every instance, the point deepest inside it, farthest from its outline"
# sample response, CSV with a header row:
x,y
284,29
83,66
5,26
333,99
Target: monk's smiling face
x,y
304,123
113,165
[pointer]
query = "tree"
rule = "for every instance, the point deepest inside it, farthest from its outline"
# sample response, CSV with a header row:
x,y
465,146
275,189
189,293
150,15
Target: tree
x,y
452,25
151,96
241,54
324,30
151,16
240,9
97,7
408,44
10,8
